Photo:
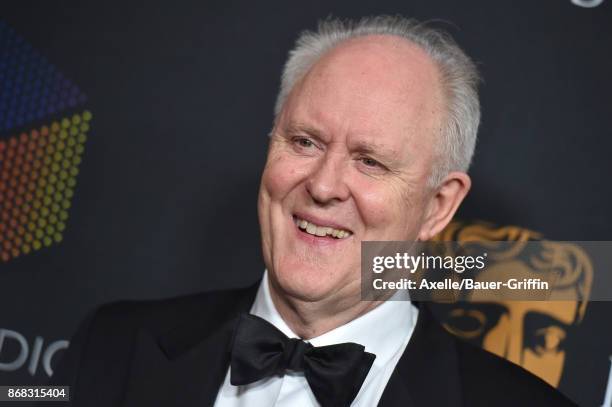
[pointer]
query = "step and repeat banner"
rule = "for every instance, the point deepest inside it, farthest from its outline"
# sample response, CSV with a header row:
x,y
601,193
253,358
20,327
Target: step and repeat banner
x,y
132,137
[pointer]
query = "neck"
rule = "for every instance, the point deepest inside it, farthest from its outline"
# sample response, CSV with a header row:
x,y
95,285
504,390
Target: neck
x,y
309,319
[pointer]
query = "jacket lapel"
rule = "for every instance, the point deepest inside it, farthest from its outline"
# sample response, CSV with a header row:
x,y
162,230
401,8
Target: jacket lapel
x,y
186,366
427,374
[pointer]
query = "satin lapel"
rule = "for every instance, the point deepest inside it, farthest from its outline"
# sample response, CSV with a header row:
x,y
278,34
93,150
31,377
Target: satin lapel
x,y
427,374
186,366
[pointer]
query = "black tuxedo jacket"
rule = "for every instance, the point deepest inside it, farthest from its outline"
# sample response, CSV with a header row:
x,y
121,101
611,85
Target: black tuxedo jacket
x,y
176,353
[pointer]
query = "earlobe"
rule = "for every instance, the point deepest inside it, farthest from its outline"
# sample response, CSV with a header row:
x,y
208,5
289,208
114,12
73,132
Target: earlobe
x,y
444,203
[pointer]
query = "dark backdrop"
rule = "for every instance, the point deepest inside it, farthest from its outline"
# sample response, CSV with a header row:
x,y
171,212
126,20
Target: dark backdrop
x,y
182,94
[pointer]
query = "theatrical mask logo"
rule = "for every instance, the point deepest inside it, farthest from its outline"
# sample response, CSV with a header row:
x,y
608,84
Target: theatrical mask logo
x,y
531,334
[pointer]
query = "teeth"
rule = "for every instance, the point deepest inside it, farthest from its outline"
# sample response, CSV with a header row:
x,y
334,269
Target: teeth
x,y
316,230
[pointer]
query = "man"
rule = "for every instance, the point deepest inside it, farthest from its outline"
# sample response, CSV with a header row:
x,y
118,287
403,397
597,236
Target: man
x,y
375,127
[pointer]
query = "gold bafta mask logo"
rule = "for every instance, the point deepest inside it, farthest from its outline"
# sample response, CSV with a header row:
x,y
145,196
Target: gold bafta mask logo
x,y
532,334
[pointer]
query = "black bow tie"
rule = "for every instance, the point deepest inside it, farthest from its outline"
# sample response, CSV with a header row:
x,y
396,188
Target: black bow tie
x,y
335,373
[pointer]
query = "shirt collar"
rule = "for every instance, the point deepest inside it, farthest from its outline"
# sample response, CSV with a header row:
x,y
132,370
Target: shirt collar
x,y
383,330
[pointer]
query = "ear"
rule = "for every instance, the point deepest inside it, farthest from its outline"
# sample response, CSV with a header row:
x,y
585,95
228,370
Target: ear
x,y
443,203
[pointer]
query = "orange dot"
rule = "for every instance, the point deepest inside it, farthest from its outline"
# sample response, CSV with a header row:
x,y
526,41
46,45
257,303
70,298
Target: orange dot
x,y
44,130
23,137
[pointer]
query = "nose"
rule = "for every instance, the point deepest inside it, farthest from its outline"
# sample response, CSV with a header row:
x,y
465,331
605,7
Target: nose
x,y
327,181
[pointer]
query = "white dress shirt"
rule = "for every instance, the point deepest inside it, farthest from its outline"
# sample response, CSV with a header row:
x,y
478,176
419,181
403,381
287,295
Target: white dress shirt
x,y
384,331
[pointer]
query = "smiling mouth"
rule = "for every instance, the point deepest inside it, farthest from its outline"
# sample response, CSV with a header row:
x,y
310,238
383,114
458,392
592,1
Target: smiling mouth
x,y
320,231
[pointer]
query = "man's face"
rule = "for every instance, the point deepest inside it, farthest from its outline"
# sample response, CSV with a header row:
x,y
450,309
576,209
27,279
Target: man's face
x,y
351,152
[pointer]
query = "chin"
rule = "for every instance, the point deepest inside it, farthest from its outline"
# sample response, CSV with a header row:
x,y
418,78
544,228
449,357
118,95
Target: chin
x,y
305,284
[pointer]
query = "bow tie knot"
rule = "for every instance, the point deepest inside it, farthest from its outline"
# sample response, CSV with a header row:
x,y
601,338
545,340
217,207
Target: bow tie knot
x,y
293,355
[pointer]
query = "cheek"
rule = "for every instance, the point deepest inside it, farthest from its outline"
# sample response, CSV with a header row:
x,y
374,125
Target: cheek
x,y
383,206
280,176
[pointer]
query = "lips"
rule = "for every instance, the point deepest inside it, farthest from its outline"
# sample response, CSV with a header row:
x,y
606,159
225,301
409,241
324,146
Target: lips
x,y
320,228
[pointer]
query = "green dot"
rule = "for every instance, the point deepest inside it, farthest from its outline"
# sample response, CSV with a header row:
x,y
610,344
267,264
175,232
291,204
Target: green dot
x,y
84,127
65,123
47,241
71,182
45,171
28,237
82,138
69,193
36,244
47,200
71,142
26,249
50,189
79,149
63,215
42,182
66,164
33,215
74,131
58,197
57,156
61,145
61,186
39,193
61,226
50,230
42,222
69,153
63,135
39,234
37,204
57,237
76,160
53,138
50,150
53,178
66,204
44,211
47,160
74,171
31,226
87,115
55,208
63,175
53,219
76,119
55,167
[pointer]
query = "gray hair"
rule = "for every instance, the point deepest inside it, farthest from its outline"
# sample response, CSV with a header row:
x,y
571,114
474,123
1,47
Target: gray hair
x,y
459,78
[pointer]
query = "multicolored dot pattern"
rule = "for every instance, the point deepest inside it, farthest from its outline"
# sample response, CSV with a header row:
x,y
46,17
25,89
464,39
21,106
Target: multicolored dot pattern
x,y
31,88
38,173
38,166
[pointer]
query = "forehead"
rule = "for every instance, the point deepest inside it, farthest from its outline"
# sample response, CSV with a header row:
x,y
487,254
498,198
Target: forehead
x,y
380,87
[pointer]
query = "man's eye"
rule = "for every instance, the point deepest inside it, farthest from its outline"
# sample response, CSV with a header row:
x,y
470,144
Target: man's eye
x,y
304,142
370,162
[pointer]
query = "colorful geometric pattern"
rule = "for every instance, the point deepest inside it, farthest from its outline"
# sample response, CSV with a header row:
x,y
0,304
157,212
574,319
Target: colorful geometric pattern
x,y
39,165
37,180
32,88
